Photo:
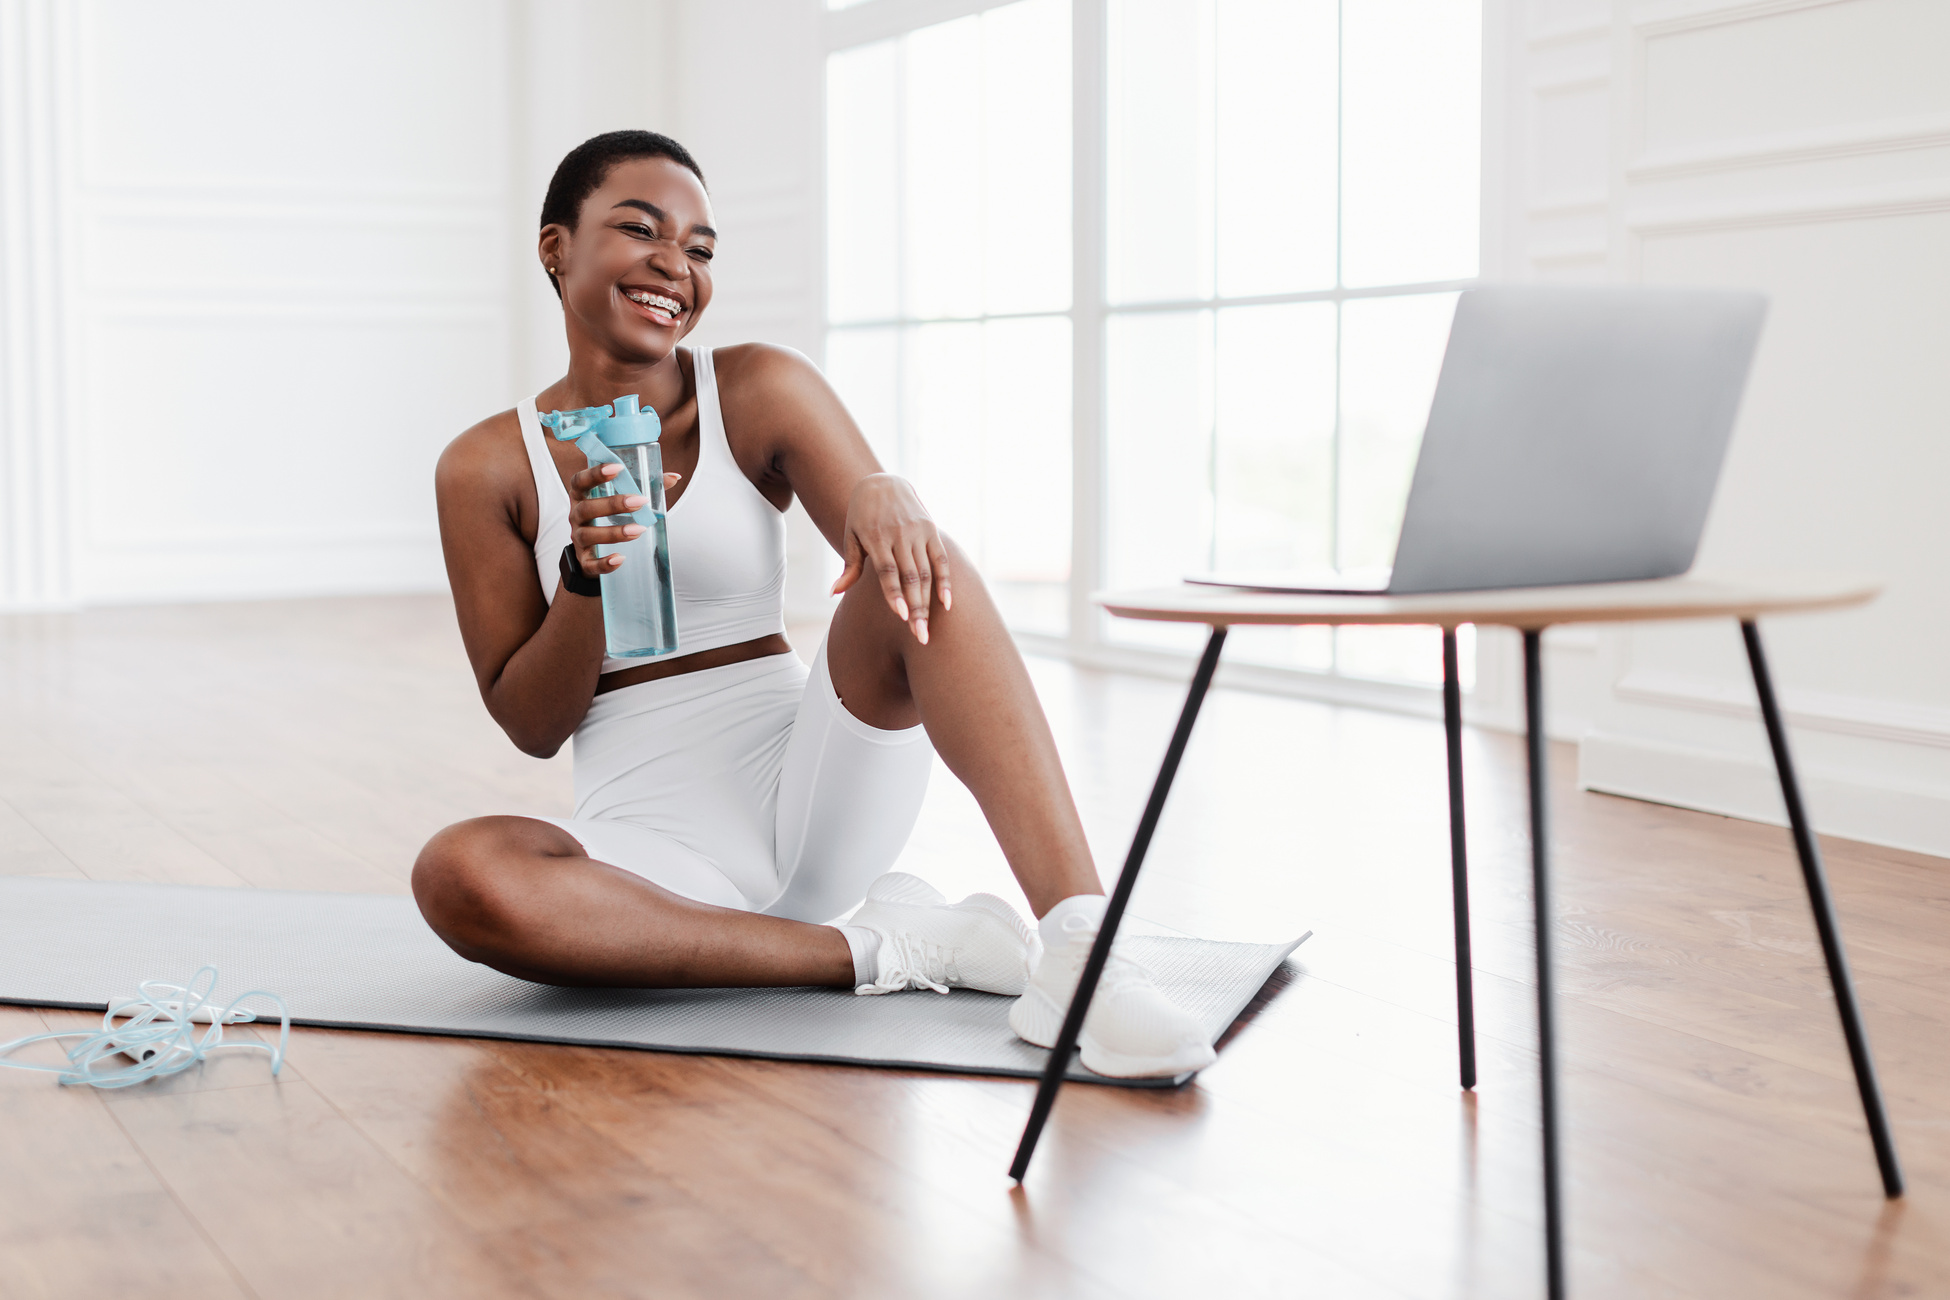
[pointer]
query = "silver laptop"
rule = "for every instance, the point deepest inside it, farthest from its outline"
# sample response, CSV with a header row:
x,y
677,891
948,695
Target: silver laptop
x,y
1576,436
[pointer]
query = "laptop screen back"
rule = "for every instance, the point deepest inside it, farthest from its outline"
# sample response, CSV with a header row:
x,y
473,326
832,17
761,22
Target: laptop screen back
x,y
1576,436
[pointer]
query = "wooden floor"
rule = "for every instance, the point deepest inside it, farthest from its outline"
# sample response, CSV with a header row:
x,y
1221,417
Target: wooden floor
x,y
1714,1143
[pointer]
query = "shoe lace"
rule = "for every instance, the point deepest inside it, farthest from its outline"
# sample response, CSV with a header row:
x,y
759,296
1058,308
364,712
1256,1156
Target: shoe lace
x,y
909,961
1120,972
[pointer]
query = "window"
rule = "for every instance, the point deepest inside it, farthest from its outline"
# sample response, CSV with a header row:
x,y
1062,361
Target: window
x,y
1284,210
948,282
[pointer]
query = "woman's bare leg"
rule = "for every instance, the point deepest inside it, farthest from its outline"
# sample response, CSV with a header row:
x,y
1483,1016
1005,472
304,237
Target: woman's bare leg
x,y
520,895
968,686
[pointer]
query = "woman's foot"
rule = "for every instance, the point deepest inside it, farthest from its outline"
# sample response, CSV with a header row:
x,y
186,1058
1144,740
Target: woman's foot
x,y
1133,1031
928,943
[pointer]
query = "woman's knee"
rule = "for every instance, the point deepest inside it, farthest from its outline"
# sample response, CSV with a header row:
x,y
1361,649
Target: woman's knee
x,y
466,878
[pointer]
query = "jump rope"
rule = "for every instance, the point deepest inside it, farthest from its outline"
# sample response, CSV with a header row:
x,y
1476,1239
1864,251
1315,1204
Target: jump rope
x,y
156,1038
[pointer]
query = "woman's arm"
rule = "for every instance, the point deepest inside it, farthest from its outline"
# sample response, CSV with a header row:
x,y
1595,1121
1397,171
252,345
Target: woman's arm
x,y
786,413
536,663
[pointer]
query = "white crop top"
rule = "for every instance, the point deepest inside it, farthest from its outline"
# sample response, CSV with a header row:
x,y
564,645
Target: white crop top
x,y
727,542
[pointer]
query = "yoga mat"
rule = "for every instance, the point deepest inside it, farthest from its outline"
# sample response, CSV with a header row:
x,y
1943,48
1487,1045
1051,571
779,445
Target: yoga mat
x,y
365,961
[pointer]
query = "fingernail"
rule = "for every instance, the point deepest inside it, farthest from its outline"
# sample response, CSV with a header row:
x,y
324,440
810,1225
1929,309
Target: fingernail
x,y
947,602
900,606
610,471
921,629
633,530
635,503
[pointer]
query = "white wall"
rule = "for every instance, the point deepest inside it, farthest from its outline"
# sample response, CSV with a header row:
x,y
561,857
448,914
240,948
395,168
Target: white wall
x,y
751,108
262,262
1801,147
274,247
227,217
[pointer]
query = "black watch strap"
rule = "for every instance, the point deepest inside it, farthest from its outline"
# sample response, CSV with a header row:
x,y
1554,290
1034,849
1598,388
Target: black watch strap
x,y
574,579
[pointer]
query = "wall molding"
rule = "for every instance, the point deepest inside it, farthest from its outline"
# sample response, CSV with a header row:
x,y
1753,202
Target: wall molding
x,y
1570,255
1845,715
1929,131
302,305
284,539
1575,84
1903,817
1557,38
358,561
1570,205
1867,204
110,208
1677,16
167,187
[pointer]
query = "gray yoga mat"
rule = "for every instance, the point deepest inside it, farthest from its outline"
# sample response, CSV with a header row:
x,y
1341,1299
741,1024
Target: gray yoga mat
x,y
364,961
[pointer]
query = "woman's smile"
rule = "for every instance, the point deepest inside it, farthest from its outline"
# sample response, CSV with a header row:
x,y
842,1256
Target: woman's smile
x,y
657,305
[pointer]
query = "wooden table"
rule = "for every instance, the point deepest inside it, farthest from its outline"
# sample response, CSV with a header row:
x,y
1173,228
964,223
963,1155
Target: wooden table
x,y
1744,597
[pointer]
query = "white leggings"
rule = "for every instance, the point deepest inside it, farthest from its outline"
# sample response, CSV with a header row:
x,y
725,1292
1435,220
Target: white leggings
x,y
748,786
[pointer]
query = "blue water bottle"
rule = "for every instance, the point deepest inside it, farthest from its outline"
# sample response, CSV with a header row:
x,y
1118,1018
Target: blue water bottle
x,y
639,611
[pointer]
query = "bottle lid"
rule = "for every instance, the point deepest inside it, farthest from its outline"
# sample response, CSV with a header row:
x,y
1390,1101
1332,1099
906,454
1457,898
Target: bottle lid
x,y
623,425
630,425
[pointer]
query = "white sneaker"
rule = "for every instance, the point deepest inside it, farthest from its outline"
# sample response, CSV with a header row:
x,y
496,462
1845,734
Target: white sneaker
x,y
928,943
1133,1031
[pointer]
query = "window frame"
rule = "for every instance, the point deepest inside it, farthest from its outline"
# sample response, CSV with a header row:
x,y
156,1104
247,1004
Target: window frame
x,y
1089,314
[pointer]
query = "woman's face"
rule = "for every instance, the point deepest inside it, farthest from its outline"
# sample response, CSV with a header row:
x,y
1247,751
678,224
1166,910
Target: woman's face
x,y
636,271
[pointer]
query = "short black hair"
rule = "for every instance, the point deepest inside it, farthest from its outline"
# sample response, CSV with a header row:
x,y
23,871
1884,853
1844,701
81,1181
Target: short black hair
x,y
584,168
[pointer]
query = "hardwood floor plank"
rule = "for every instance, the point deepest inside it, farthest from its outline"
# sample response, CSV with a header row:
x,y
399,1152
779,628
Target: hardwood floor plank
x,y
1714,1141
300,1203
82,1214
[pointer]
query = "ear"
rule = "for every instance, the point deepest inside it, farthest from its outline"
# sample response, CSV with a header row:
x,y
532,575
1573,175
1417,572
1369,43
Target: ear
x,y
553,246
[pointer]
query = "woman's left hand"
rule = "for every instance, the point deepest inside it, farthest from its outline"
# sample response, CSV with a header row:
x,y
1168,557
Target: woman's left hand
x,y
889,531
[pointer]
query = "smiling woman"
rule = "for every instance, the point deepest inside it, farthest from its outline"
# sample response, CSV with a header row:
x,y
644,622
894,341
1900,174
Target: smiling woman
x,y
728,800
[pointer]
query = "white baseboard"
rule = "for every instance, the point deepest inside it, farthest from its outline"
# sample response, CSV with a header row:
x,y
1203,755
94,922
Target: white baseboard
x,y
1688,777
266,567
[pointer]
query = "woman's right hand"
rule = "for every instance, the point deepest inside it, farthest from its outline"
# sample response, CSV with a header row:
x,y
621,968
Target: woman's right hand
x,y
585,510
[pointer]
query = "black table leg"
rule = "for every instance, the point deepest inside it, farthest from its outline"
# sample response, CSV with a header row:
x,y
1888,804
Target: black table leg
x,y
1826,924
1093,968
1458,857
1539,755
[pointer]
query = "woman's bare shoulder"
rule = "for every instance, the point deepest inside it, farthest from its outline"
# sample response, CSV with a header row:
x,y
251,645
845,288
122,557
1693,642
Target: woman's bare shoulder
x,y
763,385
486,458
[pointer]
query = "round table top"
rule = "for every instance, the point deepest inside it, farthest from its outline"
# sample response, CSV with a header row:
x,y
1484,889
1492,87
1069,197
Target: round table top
x,y
1694,595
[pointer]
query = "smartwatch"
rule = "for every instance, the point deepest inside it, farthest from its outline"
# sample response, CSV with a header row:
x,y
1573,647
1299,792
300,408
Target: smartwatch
x,y
574,579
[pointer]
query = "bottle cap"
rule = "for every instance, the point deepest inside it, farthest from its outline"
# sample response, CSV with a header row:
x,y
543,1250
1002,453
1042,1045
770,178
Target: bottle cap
x,y
623,425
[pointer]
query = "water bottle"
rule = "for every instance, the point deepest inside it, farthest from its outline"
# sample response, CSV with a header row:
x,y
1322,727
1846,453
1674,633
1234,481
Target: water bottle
x,y
639,611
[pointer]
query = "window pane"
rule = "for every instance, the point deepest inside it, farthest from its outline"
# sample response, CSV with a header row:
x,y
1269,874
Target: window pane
x,y
1026,157
1276,121
1400,654
987,445
1158,489
1160,199
942,87
862,205
1411,110
1391,351
1025,555
1275,437
942,425
863,367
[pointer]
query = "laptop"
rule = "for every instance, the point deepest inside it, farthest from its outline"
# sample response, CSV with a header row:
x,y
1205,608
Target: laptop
x,y
1576,436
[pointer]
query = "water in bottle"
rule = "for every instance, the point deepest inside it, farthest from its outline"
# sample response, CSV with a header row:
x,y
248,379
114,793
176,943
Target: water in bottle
x,y
639,609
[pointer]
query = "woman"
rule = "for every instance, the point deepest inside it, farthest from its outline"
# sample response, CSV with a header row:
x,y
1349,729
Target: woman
x,y
728,801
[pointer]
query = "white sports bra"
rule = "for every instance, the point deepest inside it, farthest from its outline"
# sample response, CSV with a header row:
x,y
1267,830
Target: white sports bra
x,y
727,542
